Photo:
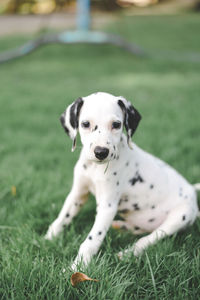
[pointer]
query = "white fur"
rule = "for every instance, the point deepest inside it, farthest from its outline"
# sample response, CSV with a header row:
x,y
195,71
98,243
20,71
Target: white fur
x,y
149,194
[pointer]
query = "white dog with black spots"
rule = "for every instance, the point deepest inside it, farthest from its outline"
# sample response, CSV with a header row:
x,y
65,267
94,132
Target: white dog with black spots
x,y
147,193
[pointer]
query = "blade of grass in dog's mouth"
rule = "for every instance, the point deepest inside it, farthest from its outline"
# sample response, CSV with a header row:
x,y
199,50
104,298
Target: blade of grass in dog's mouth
x,y
106,168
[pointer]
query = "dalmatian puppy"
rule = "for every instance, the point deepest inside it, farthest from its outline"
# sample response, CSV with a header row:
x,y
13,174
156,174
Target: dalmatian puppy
x,y
147,193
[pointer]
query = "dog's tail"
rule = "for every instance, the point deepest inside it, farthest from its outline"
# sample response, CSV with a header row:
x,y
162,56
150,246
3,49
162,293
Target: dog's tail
x,y
197,186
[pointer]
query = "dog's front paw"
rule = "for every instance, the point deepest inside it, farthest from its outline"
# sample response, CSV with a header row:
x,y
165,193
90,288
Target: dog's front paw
x,y
82,260
74,267
54,229
78,264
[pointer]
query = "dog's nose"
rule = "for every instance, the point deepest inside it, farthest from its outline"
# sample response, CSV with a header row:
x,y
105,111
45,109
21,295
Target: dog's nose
x,y
101,152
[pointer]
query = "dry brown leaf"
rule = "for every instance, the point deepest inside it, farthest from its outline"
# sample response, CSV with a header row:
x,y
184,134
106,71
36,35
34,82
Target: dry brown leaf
x,y
80,277
13,190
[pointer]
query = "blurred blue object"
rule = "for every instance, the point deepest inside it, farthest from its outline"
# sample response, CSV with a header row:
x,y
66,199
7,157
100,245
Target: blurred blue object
x,y
83,14
83,34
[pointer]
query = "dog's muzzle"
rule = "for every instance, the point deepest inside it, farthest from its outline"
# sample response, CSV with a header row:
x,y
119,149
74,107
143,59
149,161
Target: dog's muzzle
x,y
101,153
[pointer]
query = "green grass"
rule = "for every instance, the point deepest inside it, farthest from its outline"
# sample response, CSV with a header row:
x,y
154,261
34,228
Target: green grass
x,y
35,157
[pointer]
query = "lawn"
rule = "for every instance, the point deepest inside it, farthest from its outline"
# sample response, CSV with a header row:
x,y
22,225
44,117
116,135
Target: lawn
x,y
35,158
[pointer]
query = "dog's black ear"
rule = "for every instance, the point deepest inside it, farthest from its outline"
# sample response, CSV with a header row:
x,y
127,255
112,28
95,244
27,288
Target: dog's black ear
x,y
131,118
70,120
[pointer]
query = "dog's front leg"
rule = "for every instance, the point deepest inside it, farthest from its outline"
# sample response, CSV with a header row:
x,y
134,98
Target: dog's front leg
x,y
76,198
105,214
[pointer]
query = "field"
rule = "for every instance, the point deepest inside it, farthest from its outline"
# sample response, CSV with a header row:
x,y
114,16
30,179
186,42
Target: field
x,y
35,158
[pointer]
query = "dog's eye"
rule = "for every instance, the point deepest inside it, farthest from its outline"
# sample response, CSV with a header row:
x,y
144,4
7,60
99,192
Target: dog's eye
x,y
116,125
85,124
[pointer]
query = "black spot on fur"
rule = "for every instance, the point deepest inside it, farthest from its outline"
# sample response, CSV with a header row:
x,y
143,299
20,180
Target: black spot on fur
x,y
123,211
66,130
90,237
126,199
74,112
117,183
153,206
127,163
95,128
84,166
184,217
62,120
131,118
151,220
67,215
108,143
99,233
136,228
117,157
151,186
111,154
109,204
114,147
136,178
115,173
136,207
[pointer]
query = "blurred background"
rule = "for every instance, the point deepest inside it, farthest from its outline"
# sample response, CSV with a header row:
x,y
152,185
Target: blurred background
x,y
51,6
33,15
36,163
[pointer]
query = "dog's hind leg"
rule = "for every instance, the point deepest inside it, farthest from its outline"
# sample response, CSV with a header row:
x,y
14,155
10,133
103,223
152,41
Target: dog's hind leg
x,y
179,218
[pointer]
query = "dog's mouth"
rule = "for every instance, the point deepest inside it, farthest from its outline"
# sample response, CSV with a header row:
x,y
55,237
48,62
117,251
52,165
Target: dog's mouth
x,y
105,160
101,162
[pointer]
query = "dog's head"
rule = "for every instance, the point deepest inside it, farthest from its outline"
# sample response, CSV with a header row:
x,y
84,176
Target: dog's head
x,y
99,118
